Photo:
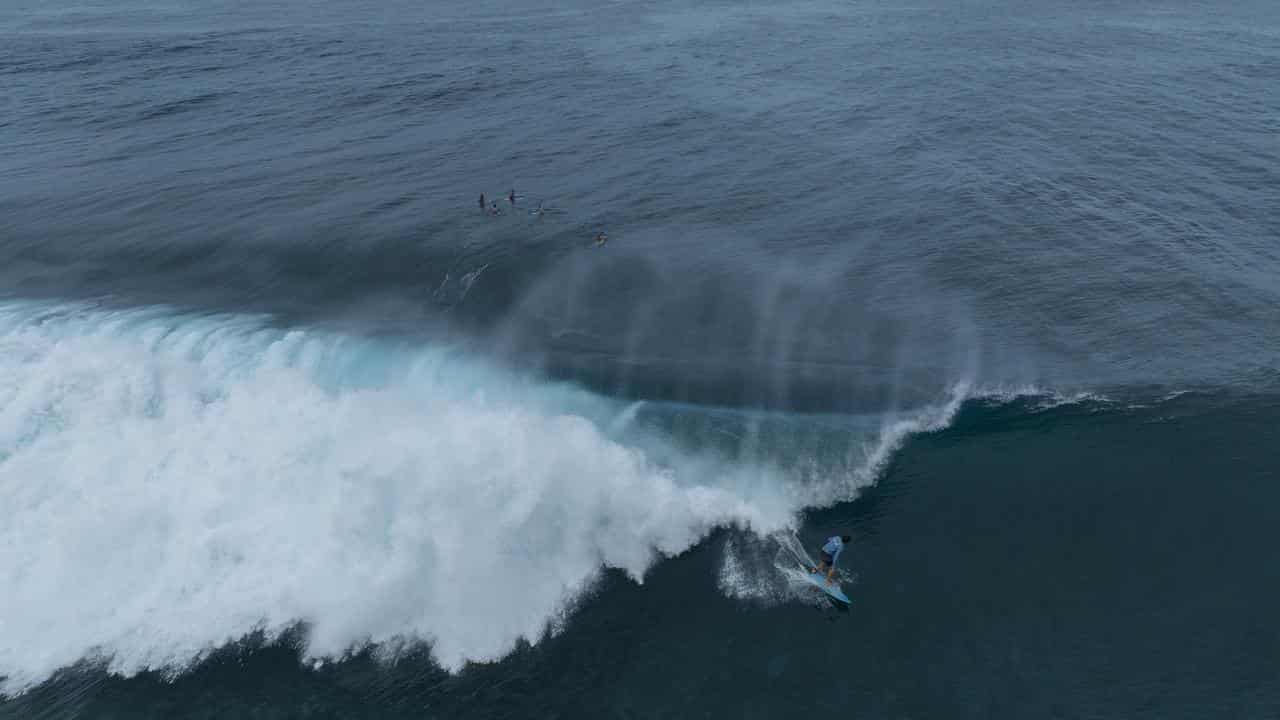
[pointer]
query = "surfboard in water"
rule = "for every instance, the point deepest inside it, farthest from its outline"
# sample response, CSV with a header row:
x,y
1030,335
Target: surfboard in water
x,y
832,588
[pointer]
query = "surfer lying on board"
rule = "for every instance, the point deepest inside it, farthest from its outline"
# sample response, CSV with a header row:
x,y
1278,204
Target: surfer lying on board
x,y
830,553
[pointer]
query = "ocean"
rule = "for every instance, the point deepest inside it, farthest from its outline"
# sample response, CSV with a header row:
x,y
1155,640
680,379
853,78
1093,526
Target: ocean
x,y
291,427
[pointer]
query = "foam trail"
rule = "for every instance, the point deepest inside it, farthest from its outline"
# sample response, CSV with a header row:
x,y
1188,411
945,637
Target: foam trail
x,y
767,570
169,483
1040,399
791,551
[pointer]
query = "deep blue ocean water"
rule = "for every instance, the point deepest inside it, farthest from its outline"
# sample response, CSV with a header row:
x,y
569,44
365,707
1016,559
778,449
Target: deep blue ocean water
x,y
290,427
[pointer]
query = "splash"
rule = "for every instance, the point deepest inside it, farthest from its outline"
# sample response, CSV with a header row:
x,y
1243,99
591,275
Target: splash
x,y
172,482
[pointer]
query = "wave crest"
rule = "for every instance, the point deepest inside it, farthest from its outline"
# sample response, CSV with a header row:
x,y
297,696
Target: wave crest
x,y
171,483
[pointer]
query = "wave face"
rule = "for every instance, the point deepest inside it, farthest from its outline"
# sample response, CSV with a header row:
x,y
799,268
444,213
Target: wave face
x,y
171,482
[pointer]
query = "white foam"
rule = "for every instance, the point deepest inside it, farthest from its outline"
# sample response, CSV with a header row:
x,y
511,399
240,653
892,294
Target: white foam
x,y
1041,399
169,483
869,455
748,572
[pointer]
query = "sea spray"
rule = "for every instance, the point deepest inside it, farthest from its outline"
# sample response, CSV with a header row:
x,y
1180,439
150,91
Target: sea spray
x,y
172,482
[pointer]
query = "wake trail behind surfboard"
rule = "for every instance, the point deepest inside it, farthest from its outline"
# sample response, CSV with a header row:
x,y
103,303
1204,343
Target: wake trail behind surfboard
x,y
773,569
795,564
792,553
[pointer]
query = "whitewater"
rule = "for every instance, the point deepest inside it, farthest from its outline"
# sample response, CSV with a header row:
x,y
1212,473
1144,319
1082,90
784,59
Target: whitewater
x,y
171,482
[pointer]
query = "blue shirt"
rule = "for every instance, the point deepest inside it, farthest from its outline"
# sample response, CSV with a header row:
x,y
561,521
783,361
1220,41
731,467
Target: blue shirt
x,y
834,547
